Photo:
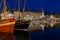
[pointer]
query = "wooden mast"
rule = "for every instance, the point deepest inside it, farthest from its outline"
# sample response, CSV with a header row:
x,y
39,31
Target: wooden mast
x,y
4,9
19,9
23,8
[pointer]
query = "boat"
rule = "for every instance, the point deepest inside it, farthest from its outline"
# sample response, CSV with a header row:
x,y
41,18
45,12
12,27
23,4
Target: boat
x,y
22,23
7,25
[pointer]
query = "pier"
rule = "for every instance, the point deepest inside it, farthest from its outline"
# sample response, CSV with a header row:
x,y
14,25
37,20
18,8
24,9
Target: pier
x,y
35,21
38,21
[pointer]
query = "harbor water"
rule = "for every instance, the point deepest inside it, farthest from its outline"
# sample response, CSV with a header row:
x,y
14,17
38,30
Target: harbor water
x,y
48,34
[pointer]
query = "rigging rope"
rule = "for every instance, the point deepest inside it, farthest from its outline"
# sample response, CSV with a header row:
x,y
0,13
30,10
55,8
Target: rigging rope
x,y
8,5
15,4
1,4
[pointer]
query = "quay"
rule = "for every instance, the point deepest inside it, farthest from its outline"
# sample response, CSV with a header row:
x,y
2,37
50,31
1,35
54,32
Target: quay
x,y
35,22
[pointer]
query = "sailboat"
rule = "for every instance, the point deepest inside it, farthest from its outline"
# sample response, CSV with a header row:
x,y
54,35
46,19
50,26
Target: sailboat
x,y
22,23
7,25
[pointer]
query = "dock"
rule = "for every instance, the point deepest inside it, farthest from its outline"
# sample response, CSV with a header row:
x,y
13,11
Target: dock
x,y
35,22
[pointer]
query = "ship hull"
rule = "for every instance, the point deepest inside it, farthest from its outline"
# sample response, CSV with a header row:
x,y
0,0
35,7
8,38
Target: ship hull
x,y
22,24
7,25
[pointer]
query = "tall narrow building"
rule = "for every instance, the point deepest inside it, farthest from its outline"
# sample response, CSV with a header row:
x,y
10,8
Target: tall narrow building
x,y
43,13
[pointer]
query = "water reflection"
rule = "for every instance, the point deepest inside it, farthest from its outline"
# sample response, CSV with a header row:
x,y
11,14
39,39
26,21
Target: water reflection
x,y
48,34
22,35
17,35
6,36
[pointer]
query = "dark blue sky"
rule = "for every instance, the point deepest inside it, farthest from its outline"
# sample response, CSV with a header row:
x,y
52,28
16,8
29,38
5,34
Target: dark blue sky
x,y
48,5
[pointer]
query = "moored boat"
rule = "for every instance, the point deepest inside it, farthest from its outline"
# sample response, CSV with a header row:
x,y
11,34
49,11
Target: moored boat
x,y
21,23
7,24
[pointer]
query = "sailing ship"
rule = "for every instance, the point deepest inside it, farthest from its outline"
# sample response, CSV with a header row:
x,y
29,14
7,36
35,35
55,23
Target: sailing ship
x,y
22,23
7,25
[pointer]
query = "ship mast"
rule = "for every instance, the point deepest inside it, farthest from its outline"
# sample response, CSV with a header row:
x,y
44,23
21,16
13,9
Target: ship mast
x,y
43,13
4,9
19,9
23,8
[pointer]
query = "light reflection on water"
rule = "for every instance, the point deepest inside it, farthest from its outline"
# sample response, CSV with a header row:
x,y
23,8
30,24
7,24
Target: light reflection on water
x,y
47,34
22,35
17,35
6,36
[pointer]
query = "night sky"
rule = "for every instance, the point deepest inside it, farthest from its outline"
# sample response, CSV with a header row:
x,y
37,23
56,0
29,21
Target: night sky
x,y
48,5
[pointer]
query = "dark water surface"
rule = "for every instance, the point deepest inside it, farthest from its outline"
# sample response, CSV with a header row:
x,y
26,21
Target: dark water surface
x,y
47,34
